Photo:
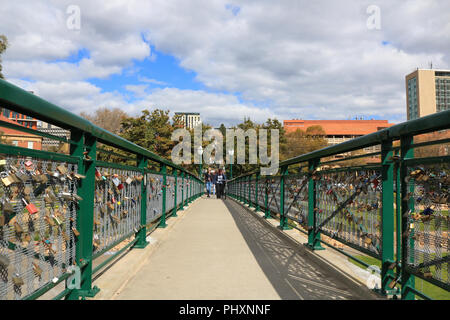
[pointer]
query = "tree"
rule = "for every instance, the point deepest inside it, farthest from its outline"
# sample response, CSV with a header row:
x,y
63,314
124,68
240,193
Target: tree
x,y
108,119
301,142
3,46
152,130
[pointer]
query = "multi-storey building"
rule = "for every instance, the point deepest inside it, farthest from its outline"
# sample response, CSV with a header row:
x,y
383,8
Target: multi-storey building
x,y
190,119
427,92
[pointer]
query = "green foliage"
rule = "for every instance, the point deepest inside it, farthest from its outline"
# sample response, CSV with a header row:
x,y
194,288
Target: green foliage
x,y
153,131
301,142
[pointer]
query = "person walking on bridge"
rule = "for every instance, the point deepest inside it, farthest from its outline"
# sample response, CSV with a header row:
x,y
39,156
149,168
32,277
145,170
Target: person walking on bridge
x,y
221,181
208,181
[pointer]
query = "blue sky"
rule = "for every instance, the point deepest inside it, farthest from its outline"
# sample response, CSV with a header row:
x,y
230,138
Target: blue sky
x,y
226,60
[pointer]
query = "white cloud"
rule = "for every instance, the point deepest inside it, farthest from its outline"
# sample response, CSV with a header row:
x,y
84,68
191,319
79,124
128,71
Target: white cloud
x,y
302,59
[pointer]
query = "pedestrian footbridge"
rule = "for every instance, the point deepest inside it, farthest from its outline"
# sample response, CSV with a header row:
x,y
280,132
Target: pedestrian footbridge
x,y
99,217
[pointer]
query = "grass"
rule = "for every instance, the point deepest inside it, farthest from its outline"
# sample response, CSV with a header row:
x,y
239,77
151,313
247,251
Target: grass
x,y
429,289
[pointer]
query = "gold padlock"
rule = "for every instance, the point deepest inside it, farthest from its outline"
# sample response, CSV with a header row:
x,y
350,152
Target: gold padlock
x,y
75,232
62,169
18,281
7,180
36,269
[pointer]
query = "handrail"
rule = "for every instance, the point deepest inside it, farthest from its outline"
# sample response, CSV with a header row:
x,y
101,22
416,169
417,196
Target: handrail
x,y
79,207
377,209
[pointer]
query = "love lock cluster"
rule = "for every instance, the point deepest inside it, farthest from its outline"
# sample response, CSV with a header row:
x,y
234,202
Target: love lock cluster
x,y
117,196
37,219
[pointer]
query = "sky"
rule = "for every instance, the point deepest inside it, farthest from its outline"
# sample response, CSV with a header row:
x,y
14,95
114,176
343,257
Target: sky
x,y
288,59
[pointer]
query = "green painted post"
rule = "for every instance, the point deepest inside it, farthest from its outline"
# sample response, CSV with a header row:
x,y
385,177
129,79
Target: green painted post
x,y
175,174
187,189
141,235
284,225
313,235
249,182
182,190
162,223
85,212
256,192
408,280
387,217
266,201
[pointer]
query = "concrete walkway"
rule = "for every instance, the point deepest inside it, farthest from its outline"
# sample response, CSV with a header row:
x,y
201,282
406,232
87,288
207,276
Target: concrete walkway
x,y
218,250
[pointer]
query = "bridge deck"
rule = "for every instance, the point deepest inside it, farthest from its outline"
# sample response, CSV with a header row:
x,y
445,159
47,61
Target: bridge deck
x,y
218,250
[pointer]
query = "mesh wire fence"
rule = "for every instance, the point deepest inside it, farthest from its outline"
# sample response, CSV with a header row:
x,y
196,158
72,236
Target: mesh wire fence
x,y
37,224
348,207
428,238
170,193
117,205
179,190
296,198
273,190
154,196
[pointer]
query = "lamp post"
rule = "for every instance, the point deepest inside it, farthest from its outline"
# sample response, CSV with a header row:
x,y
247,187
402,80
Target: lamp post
x,y
231,154
200,153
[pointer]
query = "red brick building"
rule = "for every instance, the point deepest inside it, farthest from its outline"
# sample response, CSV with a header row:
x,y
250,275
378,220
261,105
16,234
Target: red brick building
x,y
338,131
16,137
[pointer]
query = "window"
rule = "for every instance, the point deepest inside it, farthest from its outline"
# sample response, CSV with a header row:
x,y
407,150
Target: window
x,y
15,143
30,144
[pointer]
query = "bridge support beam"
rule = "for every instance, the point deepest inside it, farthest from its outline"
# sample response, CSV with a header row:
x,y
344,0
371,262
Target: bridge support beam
x,y
313,234
162,223
85,212
407,280
141,235
284,225
387,217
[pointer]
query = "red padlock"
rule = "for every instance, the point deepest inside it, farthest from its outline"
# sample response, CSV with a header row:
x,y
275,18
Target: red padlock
x,y
98,174
120,186
31,208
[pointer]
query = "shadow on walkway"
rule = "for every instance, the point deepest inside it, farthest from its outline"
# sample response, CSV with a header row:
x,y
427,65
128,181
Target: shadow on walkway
x,y
289,268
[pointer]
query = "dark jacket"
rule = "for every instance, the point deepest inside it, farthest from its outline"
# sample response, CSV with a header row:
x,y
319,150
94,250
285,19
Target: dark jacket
x,y
221,178
208,177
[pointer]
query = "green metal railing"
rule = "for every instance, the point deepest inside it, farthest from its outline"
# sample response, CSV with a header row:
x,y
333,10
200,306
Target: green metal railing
x,y
62,210
394,208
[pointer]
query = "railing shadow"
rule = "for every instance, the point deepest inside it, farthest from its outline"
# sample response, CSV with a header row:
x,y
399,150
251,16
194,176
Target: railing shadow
x,y
292,274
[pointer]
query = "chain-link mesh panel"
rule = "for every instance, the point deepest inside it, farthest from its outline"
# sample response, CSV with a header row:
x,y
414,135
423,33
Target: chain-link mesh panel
x,y
428,238
252,191
179,190
170,193
154,196
37,242
273,190
296,198
348,207
117,205
262,189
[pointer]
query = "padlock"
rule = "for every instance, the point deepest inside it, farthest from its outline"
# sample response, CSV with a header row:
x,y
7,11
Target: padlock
x,y
129,180
26,237
28,164
110,205
2,220
7,179
23,177
57,220
18,228
75,232
116,181
62,169
17,280
31,208
79,176
120,186
49,221
36,269
367,240
428,274
67,196
64,235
